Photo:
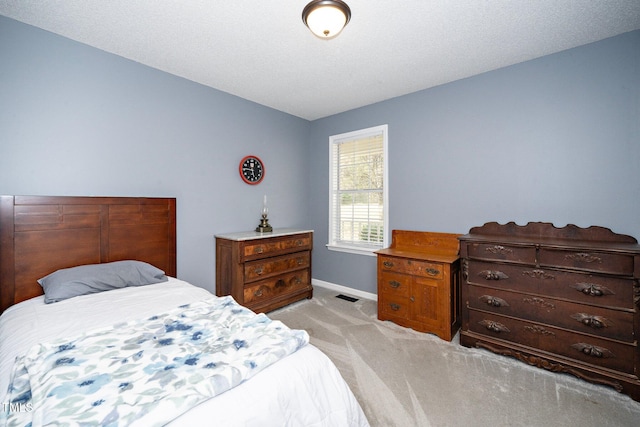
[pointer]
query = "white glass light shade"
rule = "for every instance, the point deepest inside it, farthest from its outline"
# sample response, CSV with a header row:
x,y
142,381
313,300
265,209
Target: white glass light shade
x,y
326,19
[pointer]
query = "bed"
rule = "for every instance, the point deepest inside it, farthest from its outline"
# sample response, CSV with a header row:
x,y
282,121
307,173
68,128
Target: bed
x,y
285,381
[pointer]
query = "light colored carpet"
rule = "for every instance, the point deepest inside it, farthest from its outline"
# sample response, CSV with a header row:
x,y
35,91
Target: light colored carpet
x,y
405,378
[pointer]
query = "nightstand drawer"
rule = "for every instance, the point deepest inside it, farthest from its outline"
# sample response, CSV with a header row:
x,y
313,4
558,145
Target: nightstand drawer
x,y
260,269
395,306
261,248
411,266
396,285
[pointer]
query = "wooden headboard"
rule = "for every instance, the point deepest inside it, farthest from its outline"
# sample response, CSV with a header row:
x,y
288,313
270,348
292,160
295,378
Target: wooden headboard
x,y
41,234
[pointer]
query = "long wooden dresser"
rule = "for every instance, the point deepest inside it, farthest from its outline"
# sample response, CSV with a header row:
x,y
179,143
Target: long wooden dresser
x,y
264,271
564,299
419,281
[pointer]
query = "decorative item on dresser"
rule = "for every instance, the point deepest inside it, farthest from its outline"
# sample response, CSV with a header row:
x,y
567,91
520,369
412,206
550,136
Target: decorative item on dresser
x,y
419,281
264,271
564,299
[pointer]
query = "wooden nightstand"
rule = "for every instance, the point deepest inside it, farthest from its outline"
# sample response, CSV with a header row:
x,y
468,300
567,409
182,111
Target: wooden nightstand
x,y
419,282
264,271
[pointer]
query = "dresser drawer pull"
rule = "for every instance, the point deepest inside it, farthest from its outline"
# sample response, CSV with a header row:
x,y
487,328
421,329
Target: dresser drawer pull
x,y
394,307
297,280
592,350
259,270
258,293
539,274
432,271
299,242
595,322
592,289
493,301
492,275
583,257
394,284
387,264
258,250
300,261
494,326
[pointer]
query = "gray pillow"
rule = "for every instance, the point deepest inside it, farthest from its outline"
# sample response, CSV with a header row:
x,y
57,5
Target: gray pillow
x,y
88,279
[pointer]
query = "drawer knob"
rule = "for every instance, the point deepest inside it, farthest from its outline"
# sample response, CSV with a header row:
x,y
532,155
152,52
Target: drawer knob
x,y
299,242
259,270
595,322
394,307
493,275
387,264
593,351
258,250
496,327
592,289
300,261
258,293
394,284
493,301
432,271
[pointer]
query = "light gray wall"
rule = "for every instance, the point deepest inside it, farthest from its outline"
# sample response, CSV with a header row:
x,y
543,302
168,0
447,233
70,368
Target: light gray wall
x,y
556,139
78,121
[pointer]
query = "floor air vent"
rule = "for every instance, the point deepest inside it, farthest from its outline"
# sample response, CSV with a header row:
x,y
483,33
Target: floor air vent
x,y
346,298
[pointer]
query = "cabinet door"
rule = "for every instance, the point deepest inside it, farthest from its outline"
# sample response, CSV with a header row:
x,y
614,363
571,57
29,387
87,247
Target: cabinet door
x,y
427,295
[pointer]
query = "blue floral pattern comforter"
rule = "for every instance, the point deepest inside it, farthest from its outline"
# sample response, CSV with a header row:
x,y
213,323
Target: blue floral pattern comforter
x,y
122,374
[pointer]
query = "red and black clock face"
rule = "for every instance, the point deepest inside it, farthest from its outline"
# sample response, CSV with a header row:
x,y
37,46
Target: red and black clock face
x,y
251,170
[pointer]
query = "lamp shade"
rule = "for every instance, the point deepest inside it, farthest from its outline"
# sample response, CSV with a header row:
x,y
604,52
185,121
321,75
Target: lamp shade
x,y
326,18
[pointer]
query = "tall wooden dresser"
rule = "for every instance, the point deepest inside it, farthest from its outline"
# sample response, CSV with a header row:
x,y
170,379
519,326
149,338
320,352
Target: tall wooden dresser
x,y
564,299
264,271
418,282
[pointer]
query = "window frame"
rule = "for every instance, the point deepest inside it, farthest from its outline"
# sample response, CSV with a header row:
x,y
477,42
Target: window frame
x,y
333,141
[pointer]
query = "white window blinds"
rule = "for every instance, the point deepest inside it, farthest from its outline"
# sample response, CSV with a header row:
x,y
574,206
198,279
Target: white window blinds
x,y
358,196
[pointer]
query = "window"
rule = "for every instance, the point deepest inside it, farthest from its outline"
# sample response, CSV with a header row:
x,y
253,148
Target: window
x,y
358,207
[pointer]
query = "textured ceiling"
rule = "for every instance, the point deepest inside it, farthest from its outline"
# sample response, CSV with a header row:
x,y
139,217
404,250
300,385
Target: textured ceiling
x,y
261,51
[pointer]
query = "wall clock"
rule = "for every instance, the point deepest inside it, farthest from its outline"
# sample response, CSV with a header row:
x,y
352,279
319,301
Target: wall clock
x,y
251,170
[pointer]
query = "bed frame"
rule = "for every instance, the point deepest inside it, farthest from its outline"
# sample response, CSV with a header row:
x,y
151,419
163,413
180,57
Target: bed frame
x,y
41,234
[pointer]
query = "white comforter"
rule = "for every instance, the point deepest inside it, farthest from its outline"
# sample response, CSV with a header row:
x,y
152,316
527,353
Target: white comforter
x,y
304,389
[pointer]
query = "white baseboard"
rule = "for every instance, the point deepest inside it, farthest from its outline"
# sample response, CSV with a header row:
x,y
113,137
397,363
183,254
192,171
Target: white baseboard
x,y
344,289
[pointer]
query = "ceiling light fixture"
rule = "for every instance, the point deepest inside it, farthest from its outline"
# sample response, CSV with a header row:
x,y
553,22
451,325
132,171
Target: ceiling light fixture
x,y
326,18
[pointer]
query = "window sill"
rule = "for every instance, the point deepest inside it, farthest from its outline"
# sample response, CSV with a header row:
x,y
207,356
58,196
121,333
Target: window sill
x,y
353,250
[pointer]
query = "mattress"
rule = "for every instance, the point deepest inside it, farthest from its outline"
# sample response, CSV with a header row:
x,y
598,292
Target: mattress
x,y
303,389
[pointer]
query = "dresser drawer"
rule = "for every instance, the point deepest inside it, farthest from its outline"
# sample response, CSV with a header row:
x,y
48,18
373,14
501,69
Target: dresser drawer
x,y
260,269
411,266
394,284
274,287
502,252
608,323
611,262
588,349
598,290
261,248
